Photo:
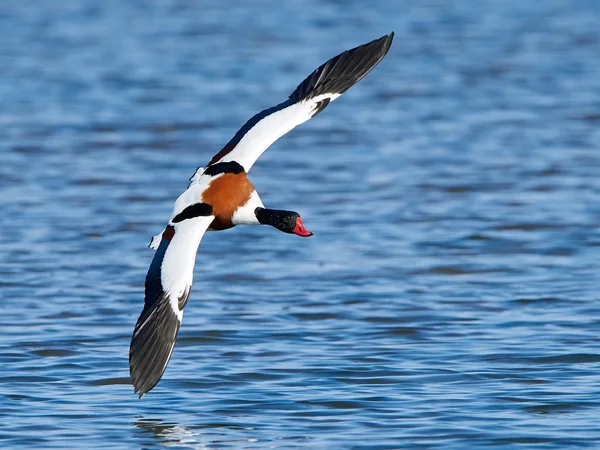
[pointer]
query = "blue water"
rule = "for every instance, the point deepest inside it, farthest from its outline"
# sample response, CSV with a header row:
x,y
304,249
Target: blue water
x,y
449,297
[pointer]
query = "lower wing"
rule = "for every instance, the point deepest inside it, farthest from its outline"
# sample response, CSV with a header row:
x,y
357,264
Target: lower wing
x,y
168,285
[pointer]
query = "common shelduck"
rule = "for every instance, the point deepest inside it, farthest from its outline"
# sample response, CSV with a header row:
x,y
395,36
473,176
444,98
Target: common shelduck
x,y
221,197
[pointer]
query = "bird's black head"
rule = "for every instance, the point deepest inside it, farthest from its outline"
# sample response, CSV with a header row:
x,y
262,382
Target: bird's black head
x,y
286,221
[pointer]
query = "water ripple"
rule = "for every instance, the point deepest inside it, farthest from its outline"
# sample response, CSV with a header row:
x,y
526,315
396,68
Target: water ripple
x,y
448,298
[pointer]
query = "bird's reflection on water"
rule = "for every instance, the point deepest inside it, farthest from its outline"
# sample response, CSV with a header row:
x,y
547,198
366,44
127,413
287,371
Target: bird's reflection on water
x,y
159,433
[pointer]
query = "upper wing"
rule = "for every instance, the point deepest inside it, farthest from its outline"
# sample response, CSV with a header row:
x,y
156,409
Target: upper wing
x,y
168,285
324,85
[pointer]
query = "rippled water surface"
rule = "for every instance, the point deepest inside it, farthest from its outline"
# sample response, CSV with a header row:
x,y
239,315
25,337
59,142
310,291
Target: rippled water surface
x,y
449,297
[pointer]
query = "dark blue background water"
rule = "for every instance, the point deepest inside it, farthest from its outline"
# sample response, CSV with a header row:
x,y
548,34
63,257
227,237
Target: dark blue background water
x,y
449,297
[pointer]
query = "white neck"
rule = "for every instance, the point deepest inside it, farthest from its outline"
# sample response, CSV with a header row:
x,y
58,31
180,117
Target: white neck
x,y
244,215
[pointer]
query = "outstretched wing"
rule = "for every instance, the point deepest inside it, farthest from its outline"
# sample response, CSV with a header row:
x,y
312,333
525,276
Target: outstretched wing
x,y
168,285
324,85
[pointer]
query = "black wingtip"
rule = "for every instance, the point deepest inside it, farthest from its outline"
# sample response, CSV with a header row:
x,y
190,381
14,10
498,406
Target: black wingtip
x,y
152,345
342,72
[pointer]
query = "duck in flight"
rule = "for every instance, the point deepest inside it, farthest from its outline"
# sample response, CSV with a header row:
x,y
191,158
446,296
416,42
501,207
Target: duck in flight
x,y
220,197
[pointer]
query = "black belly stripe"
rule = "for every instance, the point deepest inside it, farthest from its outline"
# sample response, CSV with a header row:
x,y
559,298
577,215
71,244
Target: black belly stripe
x,y
195,210
224,167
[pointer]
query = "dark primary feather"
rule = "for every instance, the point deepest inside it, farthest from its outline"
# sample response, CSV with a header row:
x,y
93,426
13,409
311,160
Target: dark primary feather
x,y
339,74
152,343
156,329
